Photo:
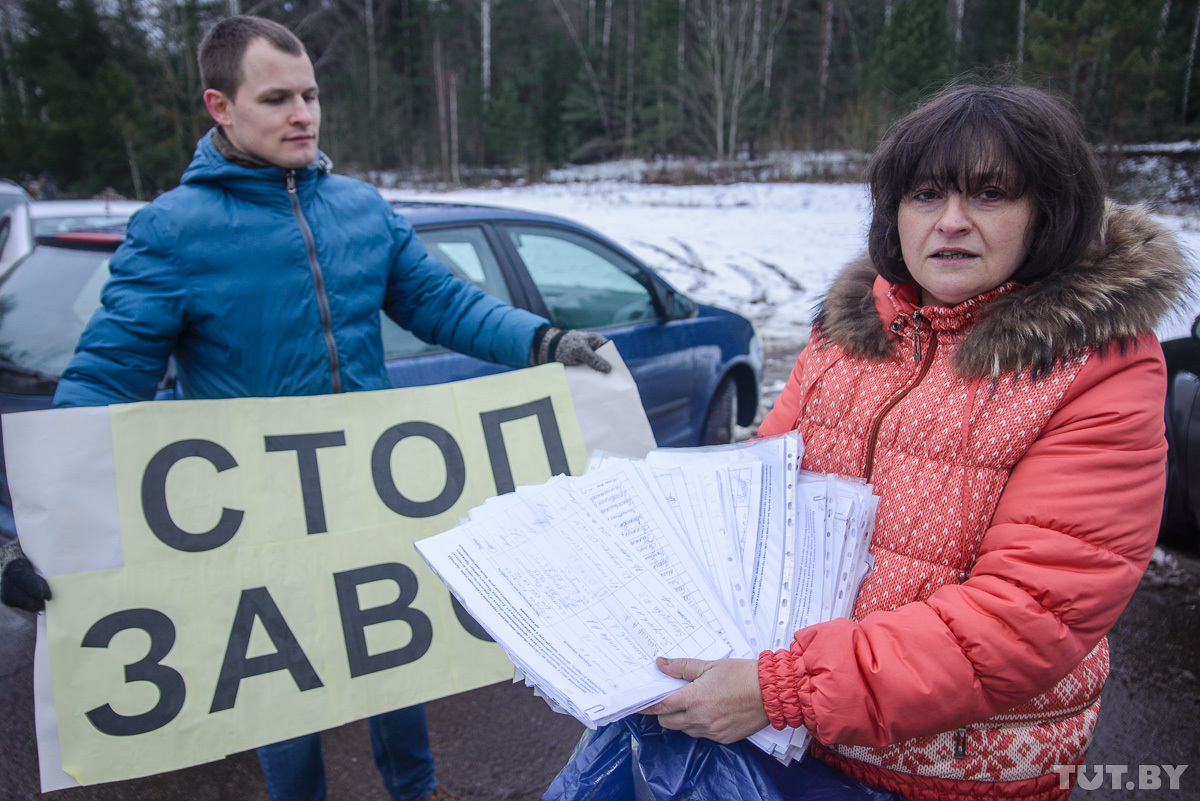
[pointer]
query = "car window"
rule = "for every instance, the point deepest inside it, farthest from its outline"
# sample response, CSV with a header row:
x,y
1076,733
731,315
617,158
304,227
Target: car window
x,y
469,256
45,302
583,283
7,201
49,226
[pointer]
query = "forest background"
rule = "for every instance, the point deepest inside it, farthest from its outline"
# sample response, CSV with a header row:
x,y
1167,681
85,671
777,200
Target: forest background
x,y
105,93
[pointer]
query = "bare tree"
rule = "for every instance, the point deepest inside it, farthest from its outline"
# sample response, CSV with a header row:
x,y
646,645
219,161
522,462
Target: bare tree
x,y
126,127
587,67
439,85
756,32
679,47
768,63
485,48
1020,35
630,81
372,79
823,70
10,23
1155,58
725,65
454,172
606,36
680,51
1187,76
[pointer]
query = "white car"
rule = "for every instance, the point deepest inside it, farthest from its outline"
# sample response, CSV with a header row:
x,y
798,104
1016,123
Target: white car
x,y
63,222
12,194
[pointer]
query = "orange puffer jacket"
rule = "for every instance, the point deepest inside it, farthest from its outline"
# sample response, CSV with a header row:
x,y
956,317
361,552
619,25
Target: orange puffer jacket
x,y
1016,441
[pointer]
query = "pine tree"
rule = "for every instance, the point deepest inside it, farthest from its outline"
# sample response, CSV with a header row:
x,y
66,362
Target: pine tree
x,y
915,51
63,61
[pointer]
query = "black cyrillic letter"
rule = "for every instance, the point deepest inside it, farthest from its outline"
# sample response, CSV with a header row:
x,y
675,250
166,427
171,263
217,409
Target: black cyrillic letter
x,y
305,446
385,482
171,689
154,497
498,453
469,623
355,620
289,656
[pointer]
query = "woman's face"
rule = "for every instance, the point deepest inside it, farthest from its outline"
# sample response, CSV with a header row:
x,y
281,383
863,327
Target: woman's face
x,y
958,245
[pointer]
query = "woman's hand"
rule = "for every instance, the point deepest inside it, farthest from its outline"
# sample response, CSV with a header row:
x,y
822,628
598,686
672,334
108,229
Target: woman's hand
x,y
723,702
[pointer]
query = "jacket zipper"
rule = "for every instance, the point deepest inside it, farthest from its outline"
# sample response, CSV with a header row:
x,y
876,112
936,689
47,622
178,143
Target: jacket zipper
x,y
318,283
891,404
960,743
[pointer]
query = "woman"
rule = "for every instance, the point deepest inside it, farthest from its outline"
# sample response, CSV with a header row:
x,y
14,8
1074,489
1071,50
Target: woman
x,y
990,368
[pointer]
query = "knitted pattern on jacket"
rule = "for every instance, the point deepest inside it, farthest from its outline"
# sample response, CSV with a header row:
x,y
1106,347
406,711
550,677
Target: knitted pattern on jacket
x,y
1016,441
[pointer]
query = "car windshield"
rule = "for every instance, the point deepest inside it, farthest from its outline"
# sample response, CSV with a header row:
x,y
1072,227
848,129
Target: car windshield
x,y
45,302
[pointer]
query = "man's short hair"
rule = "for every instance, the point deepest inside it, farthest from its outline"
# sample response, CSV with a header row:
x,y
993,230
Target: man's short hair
x,y
221,49
1025,140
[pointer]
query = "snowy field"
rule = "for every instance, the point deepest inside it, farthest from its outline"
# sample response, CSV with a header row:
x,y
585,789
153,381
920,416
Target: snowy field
x,y
765,250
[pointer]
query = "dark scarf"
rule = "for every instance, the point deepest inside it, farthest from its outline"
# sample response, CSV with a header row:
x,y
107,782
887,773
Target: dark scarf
x,y
230,152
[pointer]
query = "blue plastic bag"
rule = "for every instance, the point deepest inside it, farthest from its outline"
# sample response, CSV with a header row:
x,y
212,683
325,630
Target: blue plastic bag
x,y
635,759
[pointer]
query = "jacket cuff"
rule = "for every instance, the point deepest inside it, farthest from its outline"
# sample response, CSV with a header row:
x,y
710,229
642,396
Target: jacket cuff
x,y
545,341
783,680
10,553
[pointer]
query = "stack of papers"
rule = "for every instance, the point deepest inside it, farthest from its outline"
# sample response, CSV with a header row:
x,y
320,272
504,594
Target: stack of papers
x,y
704,552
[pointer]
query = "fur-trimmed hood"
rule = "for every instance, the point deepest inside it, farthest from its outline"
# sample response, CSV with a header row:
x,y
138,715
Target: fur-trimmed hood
x,y
1128,280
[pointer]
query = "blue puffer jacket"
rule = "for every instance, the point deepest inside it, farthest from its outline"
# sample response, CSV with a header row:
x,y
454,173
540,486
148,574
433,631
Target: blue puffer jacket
x,y
260,291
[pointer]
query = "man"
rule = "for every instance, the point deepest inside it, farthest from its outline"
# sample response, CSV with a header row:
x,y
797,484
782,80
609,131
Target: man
x,y
264,274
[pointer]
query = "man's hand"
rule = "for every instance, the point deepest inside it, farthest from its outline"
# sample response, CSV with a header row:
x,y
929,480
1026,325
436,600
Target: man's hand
x,y
569,347
579,347
723,702
20,585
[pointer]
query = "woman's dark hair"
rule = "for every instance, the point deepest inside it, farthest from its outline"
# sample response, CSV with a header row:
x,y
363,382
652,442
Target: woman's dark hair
x,y
1016,137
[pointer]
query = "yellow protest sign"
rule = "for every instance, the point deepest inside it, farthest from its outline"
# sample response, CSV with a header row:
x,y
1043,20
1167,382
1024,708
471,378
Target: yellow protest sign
x,y
269,586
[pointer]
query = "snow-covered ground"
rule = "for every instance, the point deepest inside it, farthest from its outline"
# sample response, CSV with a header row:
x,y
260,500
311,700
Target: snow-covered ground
x,y
765,250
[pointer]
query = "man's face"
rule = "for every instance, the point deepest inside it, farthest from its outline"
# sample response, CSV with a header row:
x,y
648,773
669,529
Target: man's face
x,y
276,115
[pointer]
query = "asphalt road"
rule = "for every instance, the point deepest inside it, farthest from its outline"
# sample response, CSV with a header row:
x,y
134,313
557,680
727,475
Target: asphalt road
x,y
501,743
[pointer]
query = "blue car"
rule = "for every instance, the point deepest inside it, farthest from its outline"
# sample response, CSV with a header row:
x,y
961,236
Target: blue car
x,y
697,367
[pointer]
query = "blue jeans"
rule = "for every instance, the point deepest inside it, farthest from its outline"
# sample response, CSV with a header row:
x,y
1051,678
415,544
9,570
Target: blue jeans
x,y
295,771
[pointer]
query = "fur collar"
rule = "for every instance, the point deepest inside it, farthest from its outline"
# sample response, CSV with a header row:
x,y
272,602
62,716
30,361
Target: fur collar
x,y
1130,278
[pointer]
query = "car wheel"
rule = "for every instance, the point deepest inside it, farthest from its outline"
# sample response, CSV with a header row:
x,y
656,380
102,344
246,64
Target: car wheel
x,y
1181,503
722,414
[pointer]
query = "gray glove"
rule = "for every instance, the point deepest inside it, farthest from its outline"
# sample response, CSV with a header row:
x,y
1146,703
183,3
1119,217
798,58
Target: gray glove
x,y
20,585
569,347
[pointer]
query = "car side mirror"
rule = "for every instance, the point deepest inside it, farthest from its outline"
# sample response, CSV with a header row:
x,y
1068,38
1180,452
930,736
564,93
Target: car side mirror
x,y
676,305
667,298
